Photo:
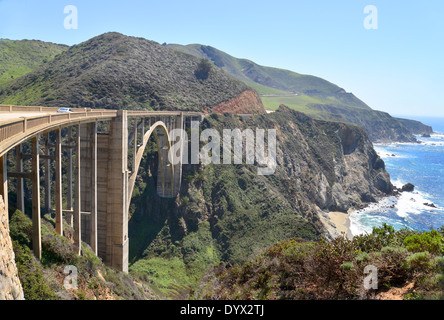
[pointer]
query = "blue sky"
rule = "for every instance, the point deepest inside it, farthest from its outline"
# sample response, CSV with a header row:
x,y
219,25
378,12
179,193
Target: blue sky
x,y
396,68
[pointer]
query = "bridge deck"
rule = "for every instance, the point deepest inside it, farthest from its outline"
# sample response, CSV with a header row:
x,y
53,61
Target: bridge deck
x,y
18,123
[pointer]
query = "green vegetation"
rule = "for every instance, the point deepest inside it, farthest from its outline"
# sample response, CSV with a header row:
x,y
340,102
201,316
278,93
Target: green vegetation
x,y
203,69
297,269
44,279
18,58
114,71
315,96
220,214
299,103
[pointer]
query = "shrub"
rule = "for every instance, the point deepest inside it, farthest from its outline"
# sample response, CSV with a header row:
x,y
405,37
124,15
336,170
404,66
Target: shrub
x,y
427,241
31,274
363,256
420,261
347,266
203,69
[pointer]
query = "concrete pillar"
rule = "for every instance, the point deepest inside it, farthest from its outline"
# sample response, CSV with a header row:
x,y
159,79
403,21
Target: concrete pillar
x,y
164,178
47,176
58,182
93,243
88,142
69,172
4,180
77,196
134,146
117,194
102,194
36,222
20,181
179,124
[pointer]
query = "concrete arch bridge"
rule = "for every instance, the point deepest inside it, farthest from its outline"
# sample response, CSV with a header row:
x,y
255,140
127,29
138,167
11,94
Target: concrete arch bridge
x,y
93,148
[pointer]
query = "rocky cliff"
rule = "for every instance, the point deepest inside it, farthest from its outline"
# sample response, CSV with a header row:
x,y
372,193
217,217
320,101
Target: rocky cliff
x,y
10,286
229,213
245,103
416,127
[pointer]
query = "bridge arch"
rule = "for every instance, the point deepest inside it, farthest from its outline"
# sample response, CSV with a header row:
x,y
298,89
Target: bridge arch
x,y
165,185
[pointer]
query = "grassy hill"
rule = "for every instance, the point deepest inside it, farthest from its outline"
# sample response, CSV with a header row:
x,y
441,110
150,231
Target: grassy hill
x,y
309,94
270,80
19,57
116,71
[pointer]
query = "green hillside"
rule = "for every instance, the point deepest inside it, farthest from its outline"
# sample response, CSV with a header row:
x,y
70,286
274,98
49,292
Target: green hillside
x,y
115,71
272,80
17,58
309,94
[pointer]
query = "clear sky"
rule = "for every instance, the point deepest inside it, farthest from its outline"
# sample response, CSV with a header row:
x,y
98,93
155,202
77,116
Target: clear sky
x,y
396,68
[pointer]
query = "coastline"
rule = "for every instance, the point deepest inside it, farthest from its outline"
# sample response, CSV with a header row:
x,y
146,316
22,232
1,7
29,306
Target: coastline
x,y
341,222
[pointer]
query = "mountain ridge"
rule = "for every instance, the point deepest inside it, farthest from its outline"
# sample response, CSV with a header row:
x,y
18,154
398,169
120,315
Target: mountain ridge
x,y
116,71
315,96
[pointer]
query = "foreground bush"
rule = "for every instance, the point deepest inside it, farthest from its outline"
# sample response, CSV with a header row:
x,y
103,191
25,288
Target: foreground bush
x,y
339,269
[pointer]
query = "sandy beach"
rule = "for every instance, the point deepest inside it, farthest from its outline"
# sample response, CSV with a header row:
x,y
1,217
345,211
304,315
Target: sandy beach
x,y
341,221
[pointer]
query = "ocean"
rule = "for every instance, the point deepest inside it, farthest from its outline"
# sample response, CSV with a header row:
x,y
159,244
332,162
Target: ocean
x,y
420,164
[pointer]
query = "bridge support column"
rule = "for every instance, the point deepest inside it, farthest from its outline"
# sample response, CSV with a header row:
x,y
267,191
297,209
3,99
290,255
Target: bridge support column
x,y
47,175
58,182
88,134
69,202
77,196
20,181
4,180
117,194
179,124
36,221
164,187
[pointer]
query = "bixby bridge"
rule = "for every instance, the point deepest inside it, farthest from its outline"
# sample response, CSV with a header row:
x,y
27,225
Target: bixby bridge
x,y
100,152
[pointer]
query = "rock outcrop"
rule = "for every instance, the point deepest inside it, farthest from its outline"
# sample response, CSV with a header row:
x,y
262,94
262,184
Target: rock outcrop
x,y
247,102
10,286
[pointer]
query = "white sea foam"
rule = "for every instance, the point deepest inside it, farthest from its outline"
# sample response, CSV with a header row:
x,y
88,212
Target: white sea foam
x,y
433,143
404,205
437,135
384,153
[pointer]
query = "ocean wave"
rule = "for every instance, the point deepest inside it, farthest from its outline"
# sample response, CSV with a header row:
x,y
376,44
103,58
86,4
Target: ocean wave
x,y
437,135
432,143
393,210
384,153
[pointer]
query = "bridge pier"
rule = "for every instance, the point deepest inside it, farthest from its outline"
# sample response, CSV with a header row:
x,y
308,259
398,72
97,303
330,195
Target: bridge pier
x,y
77,195
58,182
112,196
88,142
35,177
69,199
47,177
20,182
4,180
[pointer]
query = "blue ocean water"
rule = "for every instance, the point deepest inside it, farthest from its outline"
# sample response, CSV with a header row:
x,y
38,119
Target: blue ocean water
x,y
420,164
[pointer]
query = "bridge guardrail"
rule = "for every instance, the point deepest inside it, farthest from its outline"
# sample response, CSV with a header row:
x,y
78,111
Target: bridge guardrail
x,y
15,130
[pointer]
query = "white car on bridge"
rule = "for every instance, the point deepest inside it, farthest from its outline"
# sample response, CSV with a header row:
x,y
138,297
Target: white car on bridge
x,y
64,110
